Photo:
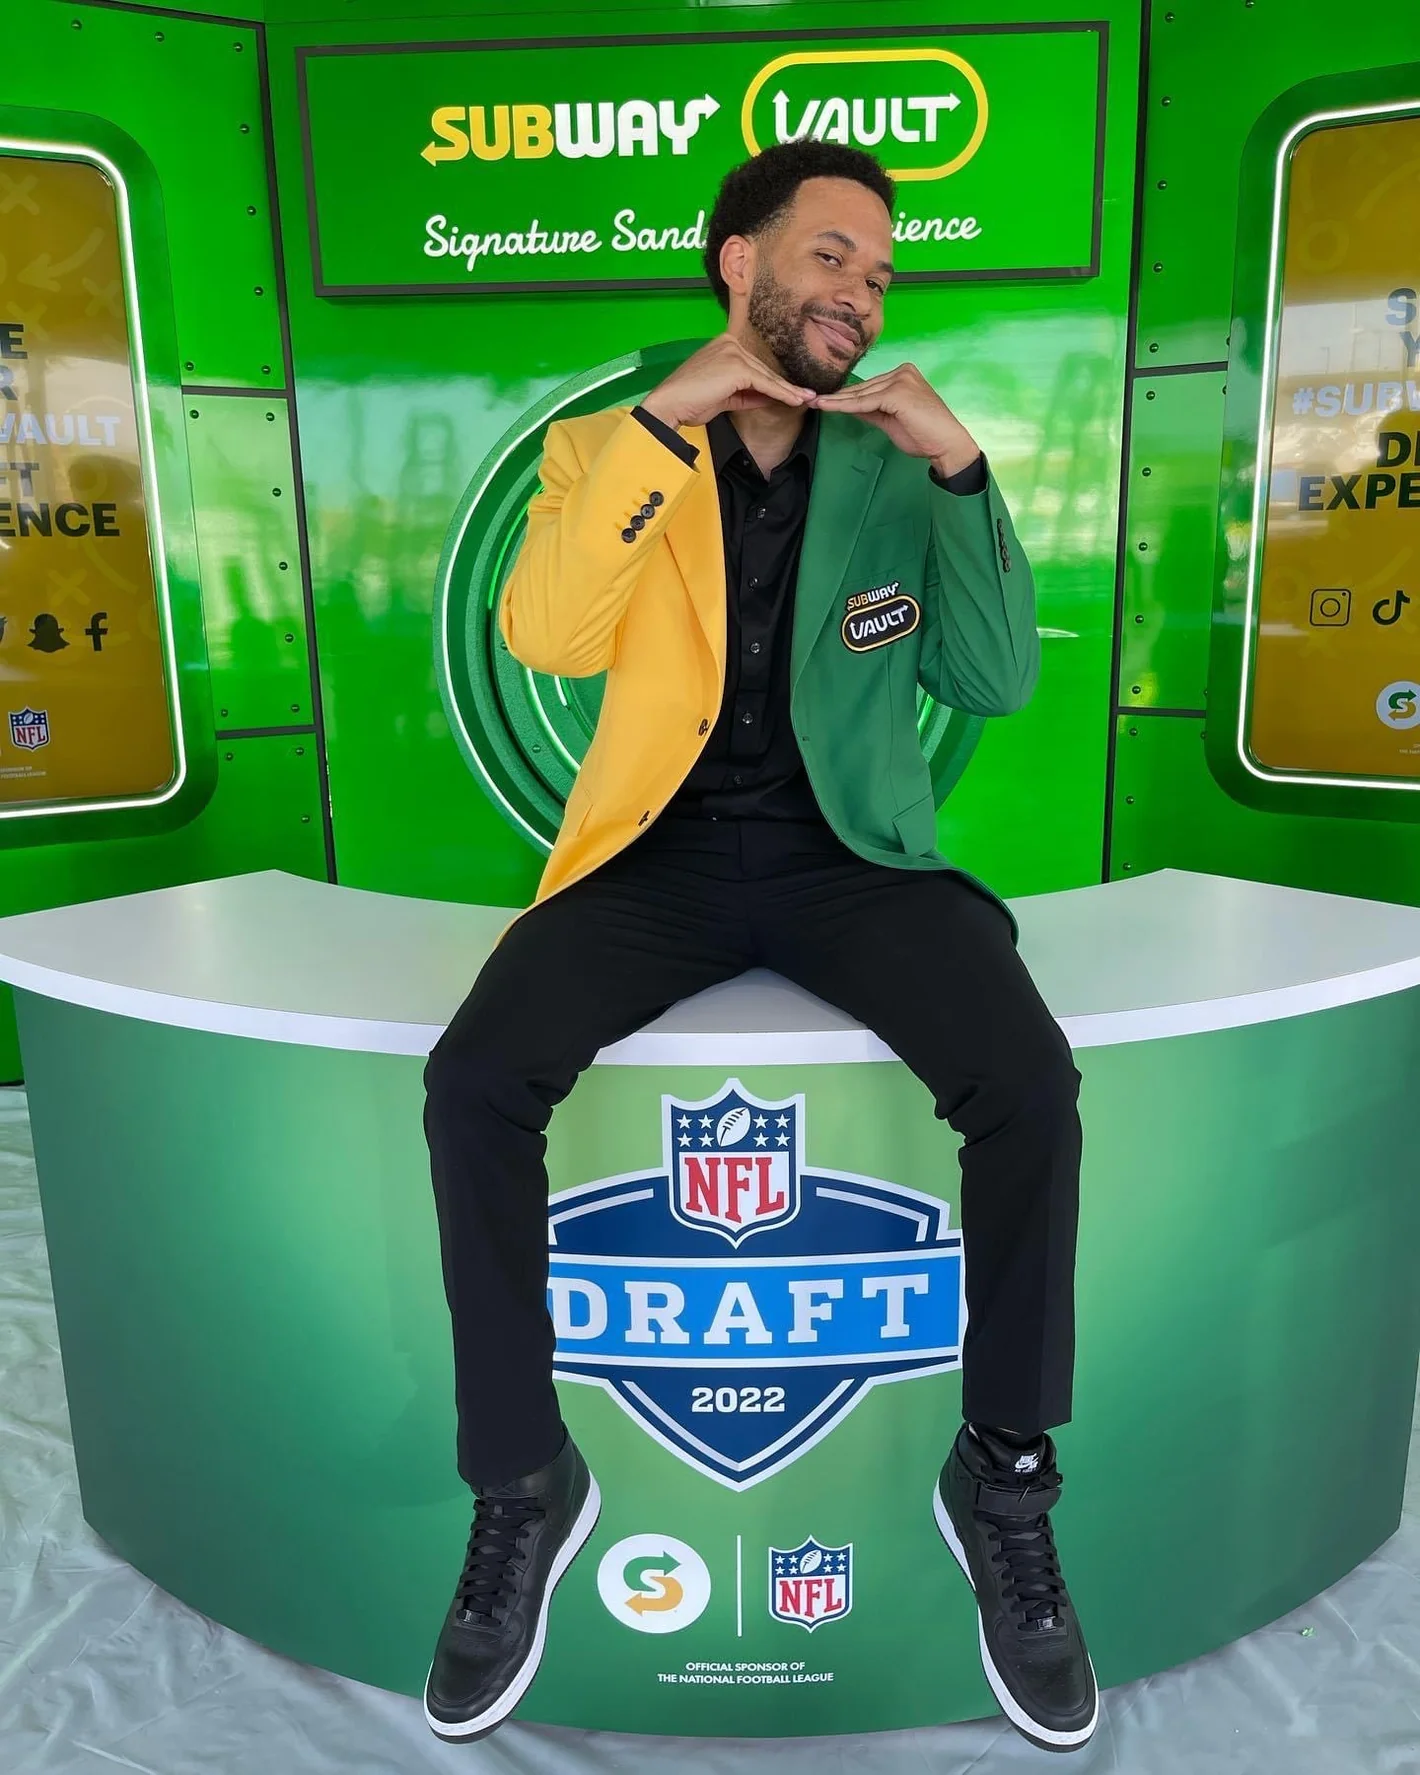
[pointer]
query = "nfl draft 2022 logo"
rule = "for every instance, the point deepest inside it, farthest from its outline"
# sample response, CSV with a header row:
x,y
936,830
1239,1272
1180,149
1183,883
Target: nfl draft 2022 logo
x,y
738,1303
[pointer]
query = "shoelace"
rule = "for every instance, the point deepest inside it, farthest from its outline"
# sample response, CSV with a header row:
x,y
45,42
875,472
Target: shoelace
x,y
1032,1585
492,1561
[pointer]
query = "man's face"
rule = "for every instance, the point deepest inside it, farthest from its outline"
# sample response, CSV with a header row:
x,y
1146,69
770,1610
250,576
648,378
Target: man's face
x,y
816,299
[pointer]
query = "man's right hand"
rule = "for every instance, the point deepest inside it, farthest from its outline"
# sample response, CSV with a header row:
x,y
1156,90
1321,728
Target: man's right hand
x,y
721,377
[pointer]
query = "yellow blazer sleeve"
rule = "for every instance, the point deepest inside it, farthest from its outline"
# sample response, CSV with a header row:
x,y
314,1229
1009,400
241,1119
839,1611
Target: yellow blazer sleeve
x,y
564,600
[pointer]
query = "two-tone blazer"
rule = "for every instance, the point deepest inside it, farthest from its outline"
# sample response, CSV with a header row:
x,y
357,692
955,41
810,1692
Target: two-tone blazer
x,y
901,583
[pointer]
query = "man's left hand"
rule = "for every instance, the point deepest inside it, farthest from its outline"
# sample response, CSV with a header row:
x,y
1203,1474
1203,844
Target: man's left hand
x,y
904,404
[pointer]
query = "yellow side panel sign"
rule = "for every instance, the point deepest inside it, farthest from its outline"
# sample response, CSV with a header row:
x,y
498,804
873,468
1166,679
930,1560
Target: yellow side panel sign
x,y
1336,678
84,703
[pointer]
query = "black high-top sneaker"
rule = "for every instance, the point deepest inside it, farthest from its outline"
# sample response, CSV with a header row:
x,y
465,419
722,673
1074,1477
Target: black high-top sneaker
x,y
991,1506
525,1535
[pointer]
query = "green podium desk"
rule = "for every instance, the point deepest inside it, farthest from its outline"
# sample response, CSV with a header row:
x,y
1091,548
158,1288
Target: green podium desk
x,y
758,1327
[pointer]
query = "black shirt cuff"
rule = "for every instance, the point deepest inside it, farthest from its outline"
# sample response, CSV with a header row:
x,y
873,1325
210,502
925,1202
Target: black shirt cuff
x,y
971,479
668,436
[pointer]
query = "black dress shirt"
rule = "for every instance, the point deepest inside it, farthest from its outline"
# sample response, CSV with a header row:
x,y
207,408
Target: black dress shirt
x,y
750,766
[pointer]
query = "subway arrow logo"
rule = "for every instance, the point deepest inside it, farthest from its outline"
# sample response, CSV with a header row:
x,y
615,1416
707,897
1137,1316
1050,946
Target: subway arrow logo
x,y
586,130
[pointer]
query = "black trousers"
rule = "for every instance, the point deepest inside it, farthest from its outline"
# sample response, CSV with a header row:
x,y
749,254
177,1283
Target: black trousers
x,y
923,959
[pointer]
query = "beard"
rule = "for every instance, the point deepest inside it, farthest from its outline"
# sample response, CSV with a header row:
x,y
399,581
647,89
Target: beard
x,y
779,319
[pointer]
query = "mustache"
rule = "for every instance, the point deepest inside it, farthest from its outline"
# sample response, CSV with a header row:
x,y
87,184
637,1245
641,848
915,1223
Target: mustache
x,y
839,320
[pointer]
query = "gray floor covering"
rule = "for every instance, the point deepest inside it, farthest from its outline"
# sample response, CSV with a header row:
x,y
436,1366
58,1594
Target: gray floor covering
x,y
101,1671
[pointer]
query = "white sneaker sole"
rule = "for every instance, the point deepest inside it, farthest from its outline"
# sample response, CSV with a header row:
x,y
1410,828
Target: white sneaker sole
x,y
1014,1712
498,1710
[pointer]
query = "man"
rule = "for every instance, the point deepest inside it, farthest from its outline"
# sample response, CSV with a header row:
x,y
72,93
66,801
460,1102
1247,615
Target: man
x,y
766,563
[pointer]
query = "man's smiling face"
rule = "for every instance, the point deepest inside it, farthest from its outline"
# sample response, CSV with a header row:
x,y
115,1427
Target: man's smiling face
x,y
819,280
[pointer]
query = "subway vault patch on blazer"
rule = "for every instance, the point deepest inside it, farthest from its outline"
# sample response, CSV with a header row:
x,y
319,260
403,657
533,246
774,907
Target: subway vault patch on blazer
x,y
877,616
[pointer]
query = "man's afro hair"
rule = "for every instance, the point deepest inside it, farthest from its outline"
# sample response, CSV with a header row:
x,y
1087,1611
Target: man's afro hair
x,y
758,193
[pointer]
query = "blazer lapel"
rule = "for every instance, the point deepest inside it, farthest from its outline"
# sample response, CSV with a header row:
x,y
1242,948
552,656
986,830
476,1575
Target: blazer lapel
x,y
846,469
697,543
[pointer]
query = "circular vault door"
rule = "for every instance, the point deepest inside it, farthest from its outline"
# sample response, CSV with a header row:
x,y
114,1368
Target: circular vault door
x,y
524,733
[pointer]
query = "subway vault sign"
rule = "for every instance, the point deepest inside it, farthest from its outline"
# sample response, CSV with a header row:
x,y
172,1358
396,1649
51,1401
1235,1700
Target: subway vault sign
x,y
592,164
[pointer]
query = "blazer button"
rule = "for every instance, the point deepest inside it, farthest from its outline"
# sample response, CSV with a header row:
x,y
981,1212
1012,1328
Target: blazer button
x,y
658,498
628,536
704,727
648,511
637,521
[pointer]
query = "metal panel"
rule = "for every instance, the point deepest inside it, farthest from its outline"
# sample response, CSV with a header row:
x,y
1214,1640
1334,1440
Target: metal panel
x,y
243,485
1215,66
269,792
188,91
1170,813
1175,441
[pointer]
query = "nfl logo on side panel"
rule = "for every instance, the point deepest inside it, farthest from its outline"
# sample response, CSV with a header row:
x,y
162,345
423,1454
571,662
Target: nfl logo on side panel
x,y
29,728
810,1584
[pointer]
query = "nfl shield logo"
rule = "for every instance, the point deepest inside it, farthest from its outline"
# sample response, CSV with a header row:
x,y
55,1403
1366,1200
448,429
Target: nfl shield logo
x,y
735,1162
29,728
812,1584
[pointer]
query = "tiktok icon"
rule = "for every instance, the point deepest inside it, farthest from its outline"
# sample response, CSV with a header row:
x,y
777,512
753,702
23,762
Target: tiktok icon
x,y
1379,613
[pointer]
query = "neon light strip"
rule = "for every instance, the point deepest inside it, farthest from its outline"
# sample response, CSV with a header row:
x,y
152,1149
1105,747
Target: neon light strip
x,y
554,739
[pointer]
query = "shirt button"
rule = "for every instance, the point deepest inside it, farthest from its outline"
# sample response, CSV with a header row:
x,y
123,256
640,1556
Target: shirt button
x,y
754,646
753,580
747,718
648,511
737,781
657,498
628,536
637,521
758,512
704,727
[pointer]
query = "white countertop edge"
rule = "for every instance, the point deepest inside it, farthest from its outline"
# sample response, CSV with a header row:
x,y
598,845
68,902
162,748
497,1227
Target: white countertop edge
x,y
1106,1029
254,1022
778,1048
1102,1029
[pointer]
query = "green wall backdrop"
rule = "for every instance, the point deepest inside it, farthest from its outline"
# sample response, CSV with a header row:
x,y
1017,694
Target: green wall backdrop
x,y
1212,68
328,442
189,96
